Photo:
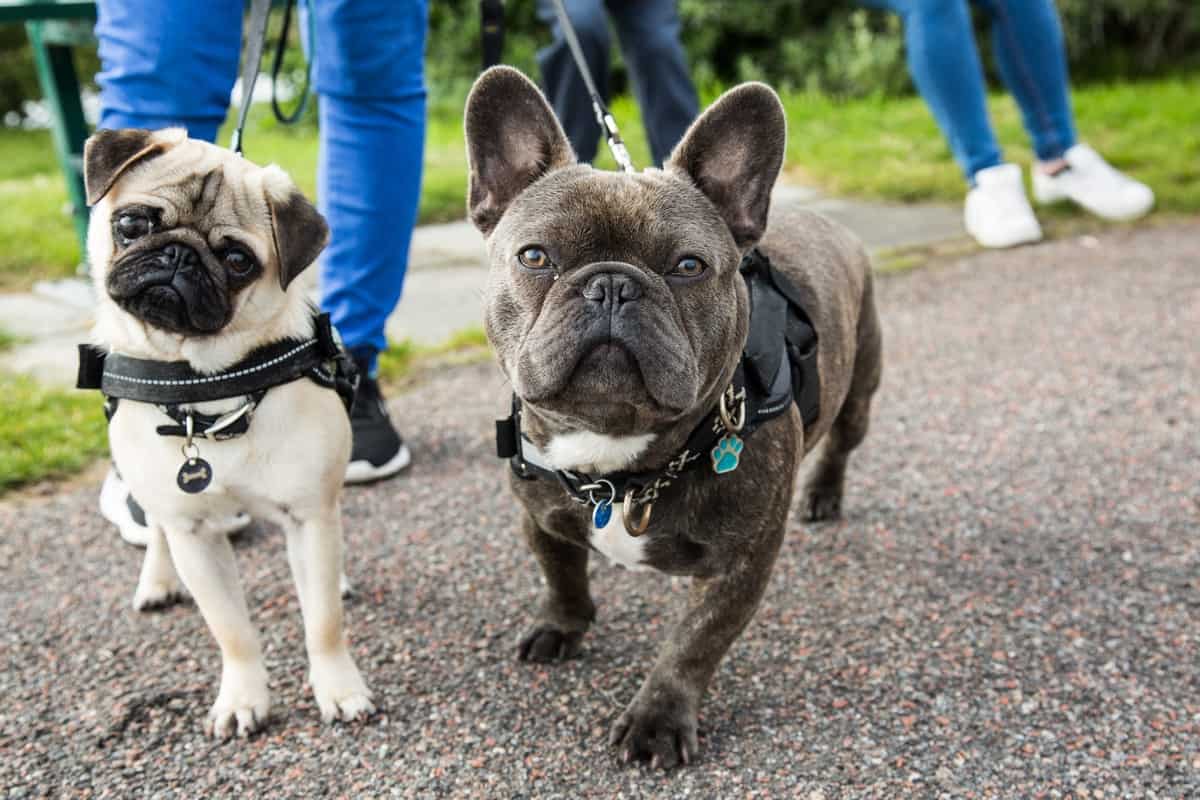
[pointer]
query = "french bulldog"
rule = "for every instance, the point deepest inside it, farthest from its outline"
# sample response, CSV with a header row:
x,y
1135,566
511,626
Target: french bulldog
x,y
617,312
195,254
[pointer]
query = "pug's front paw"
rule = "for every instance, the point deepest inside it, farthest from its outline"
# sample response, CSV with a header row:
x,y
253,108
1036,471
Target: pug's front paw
x,y
547,642
662,732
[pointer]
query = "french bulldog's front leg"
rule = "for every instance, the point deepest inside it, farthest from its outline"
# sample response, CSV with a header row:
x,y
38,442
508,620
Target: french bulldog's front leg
x,y
567,609
660,723
206,564
158,584
315,552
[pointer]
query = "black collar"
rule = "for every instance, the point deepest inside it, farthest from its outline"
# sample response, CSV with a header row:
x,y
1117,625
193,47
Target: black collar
x,y
174,384
778,367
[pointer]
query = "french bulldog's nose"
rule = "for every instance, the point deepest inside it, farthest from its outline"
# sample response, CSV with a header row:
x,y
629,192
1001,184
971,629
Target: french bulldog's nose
x,y
613,289
180,255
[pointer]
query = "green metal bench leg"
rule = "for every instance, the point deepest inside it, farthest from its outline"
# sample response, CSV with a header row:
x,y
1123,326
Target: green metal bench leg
x,y
60,87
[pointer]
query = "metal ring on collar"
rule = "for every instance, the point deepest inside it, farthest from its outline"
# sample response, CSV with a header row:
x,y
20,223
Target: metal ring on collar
x,y
591,488
727,418
639,527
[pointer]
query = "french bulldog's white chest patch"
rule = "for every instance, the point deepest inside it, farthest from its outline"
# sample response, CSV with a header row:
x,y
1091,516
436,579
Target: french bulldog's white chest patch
x,y
617,545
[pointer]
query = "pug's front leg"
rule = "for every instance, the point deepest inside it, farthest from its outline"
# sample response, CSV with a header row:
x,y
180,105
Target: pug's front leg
x,y
205,562
314,548
158,583
660,724
567,609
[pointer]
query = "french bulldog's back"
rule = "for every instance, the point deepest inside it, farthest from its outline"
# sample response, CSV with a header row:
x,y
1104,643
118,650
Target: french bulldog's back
x,y
831,270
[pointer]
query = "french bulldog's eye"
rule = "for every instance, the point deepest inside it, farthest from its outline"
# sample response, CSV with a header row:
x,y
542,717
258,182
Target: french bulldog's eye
x,y
132,226
534,258
238,261
689,267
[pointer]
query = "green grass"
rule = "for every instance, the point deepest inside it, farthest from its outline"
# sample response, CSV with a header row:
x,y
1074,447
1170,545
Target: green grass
x,y
402,359
886,148
46,433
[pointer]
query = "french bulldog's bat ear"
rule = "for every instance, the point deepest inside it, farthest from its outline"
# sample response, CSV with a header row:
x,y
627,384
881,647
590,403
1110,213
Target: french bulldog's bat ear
x,y
107,154
733,153
513,138
299,230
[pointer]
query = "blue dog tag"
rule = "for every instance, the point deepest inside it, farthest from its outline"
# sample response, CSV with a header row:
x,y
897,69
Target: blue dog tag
x,y
727,454
602,514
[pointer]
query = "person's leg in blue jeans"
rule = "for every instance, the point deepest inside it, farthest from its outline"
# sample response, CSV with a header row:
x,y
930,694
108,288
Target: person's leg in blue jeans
x,y
369,76
167,64
649,35
561,79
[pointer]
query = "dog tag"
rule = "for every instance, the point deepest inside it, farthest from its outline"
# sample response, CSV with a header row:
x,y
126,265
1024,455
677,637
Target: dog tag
x,y
602,514
194,476
727,453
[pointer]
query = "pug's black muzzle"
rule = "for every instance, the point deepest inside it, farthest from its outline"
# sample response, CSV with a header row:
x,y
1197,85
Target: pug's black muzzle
x,y
171,286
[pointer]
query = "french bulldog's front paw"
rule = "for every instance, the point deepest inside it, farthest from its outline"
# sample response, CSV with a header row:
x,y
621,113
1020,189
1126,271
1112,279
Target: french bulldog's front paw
x,y
155,594
340,691
664,734
547,642
823,503
242,707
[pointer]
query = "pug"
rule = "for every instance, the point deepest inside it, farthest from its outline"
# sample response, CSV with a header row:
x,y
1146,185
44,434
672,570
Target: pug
x,y
617,311
196,255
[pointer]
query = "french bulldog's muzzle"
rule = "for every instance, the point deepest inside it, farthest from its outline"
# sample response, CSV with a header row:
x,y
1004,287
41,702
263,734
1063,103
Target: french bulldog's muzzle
x,y
610,332
173,283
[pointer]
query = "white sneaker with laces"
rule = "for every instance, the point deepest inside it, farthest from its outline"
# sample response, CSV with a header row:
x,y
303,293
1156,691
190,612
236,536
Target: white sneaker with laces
x,y
997,212
118,507
1093,183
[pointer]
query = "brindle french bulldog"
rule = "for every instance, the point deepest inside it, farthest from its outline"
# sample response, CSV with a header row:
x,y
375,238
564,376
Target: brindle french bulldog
x,y
616,310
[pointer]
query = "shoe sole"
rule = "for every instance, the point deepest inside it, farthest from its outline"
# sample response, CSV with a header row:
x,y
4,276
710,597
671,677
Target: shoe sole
x,y
365,472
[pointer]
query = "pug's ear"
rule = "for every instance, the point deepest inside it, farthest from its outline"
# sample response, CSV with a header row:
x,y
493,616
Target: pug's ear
x,y
733,153
299,231
513,138
107,154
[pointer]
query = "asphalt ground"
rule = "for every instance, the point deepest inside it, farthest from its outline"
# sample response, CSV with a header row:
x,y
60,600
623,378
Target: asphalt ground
x,y
1011,607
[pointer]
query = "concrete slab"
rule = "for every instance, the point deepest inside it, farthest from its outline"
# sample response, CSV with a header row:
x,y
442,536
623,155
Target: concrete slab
x,y
29,315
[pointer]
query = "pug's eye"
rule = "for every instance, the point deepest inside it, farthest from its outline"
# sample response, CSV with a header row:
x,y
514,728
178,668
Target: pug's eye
x,y
689,267
238,261
534,258
132,226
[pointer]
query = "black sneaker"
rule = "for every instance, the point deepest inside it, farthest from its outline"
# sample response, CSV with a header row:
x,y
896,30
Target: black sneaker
x,y
378,450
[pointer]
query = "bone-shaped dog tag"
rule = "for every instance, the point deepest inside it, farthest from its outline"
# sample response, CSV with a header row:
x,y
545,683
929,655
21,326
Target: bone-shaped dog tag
x,y
194,476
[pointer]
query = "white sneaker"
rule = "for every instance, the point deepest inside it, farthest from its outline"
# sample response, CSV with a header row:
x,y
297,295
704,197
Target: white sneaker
x,y
1091,182
997,212
118,507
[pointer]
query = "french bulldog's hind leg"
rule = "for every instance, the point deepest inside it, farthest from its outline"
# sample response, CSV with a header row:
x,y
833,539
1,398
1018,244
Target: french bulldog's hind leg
x,y
205,561
315,553
158,584
823,492
567,609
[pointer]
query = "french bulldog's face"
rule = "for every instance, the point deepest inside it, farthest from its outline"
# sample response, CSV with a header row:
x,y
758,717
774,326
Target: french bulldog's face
x,y
188,237
615,303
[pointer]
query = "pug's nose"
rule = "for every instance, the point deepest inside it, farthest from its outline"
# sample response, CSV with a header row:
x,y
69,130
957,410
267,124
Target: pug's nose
x,y
612,289
180,256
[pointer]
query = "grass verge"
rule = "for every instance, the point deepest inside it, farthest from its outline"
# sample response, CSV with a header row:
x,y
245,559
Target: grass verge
x,y
883,148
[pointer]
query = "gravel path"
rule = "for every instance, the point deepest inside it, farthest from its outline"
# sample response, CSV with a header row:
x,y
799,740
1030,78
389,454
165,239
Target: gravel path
x,y
1010,609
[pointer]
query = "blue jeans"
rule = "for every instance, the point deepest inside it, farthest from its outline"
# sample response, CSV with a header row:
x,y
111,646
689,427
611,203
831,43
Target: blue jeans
x,y
944,61
649,34
174,64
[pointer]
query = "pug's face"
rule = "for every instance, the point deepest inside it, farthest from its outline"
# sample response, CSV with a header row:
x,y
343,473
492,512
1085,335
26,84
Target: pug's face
x,y
614,302
192,239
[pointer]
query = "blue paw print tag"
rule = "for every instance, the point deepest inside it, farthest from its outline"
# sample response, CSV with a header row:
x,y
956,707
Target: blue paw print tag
x,y
602,514
727,454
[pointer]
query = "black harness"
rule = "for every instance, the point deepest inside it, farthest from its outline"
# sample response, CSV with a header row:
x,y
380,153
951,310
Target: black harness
x,y
174,386
778,368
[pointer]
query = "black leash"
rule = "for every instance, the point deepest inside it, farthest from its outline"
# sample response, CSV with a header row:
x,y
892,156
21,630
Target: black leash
x,y
280,46
608,125
491,31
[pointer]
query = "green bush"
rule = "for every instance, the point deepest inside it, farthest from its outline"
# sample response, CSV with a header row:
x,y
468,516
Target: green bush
x,y
827,45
